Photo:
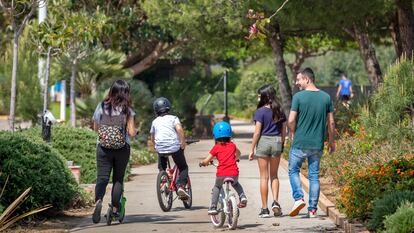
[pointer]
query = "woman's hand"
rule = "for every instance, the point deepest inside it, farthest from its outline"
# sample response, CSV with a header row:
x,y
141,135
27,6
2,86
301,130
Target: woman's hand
x,y
251,155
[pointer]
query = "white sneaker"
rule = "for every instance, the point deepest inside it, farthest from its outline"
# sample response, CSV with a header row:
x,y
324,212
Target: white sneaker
x,y
299,204
182,194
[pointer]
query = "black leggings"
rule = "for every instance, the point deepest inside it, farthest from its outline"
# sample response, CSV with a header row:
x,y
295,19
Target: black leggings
x,y
179,160
106,161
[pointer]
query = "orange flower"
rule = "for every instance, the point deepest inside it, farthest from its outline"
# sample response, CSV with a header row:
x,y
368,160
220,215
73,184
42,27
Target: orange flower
x,y
408,156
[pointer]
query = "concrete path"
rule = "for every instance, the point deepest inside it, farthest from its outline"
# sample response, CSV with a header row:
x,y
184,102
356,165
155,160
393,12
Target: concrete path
x,y
4,124
143,213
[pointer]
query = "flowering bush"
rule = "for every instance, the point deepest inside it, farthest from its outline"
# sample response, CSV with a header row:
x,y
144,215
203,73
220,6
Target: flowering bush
x,y
363,187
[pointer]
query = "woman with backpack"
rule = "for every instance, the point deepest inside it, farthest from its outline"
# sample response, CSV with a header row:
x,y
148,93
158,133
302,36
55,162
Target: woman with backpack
x,y
114,121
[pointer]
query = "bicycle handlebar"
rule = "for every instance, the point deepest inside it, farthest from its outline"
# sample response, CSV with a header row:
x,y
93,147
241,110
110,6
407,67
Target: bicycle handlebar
x,y
214,164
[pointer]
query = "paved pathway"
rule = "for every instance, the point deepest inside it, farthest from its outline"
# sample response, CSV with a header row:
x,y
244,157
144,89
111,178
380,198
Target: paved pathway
x,y
144,214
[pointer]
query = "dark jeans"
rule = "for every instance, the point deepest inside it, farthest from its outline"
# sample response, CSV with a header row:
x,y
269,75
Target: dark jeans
x,y
179,160
345,97
106,161
219,185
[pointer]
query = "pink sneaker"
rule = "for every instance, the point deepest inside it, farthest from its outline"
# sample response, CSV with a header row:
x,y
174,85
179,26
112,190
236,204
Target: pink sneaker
x,y
312,214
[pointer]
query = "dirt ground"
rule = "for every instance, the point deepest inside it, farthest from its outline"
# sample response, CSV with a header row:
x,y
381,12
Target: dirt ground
x,y
329,189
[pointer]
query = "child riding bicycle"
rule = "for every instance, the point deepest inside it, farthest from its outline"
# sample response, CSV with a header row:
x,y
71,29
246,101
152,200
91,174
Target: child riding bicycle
x,y
227,154
167,135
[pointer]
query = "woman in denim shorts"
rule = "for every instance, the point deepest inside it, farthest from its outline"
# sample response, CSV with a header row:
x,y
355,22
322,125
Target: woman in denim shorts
x,y
268,140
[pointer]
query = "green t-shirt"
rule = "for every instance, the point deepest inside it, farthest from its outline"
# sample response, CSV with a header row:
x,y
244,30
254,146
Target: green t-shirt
x,y
312,108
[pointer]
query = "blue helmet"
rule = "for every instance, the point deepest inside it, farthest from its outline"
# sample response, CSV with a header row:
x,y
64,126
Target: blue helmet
x,y
222,130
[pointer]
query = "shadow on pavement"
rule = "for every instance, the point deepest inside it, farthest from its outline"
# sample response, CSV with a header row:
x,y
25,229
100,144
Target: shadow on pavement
x,y
246,226
191,209
243,135
147,218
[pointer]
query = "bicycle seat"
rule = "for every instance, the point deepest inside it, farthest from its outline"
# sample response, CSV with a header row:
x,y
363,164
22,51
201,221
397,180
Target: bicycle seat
x,y
228,179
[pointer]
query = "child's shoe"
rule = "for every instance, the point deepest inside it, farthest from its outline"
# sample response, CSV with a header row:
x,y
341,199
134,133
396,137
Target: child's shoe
x,y
182,193
212,210
243,201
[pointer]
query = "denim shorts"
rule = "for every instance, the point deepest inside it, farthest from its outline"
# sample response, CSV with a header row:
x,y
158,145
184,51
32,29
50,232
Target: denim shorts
x,y
269,146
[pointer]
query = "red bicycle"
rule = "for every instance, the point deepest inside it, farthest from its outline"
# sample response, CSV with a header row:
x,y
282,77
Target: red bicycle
x,y
167,186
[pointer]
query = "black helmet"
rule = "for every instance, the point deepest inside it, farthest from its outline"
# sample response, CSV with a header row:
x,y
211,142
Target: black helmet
x,y
161,105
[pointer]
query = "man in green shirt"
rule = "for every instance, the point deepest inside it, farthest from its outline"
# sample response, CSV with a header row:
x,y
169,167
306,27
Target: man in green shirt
x,y
311,110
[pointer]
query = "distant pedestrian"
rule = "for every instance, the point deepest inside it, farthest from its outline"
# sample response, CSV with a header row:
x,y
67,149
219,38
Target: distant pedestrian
x,y
268,140
344,92
311,110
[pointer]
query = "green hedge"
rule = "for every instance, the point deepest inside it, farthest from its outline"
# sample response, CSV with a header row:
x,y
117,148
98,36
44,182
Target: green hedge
x,y
389,110
402,221
79,145
387,205
31,164
75,144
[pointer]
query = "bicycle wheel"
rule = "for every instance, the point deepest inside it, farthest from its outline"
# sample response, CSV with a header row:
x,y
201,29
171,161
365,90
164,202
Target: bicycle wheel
x,y
188,203
233,213
109,216
165,196
218,219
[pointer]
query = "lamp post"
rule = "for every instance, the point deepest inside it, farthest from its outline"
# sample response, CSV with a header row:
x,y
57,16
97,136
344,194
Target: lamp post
x,y
226,116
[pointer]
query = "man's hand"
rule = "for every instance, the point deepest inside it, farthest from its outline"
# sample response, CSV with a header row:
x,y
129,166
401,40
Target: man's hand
x,y
251,155
183,146
331,147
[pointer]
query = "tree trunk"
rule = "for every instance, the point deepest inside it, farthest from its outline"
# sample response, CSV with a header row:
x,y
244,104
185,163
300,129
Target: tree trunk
x,y
276,43
46,83
159,50
406,26
412,115
395,35
12,116
295,67
148,61
367,52
72,93
93,86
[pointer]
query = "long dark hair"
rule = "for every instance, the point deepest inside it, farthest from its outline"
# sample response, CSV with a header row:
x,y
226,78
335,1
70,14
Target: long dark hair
x,y
268,96
118,97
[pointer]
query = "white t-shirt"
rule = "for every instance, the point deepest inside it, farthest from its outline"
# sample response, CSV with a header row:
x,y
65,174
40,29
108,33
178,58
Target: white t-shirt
x,y
165,135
